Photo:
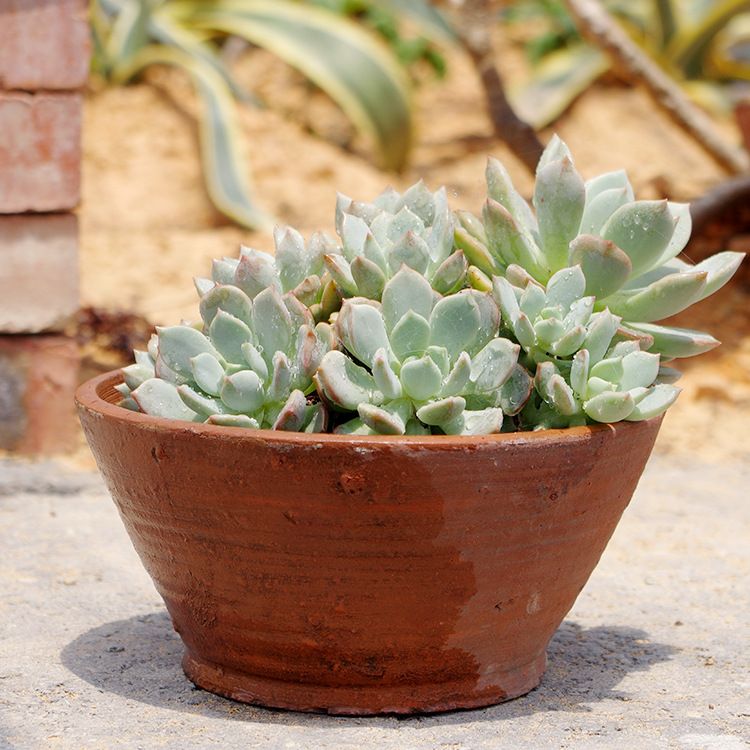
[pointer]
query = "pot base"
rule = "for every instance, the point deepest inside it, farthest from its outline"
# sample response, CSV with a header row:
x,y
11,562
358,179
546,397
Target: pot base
x,y
360,700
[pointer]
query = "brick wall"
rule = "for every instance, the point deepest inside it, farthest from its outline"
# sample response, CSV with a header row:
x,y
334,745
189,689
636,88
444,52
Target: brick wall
x,y
44,60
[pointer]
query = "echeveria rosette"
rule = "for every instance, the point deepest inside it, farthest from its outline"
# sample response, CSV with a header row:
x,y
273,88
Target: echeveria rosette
x,y
627,249
296,268
413,229
248,363
587,366
413,362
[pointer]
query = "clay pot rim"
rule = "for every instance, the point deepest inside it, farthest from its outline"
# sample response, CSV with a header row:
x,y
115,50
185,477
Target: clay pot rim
x,y
92,396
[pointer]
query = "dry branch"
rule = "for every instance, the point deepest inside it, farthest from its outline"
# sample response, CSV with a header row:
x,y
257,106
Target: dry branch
x,y
598,27
474,30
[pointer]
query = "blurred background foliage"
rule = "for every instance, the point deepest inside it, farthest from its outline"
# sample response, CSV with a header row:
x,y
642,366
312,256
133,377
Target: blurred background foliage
x,y
704,45
364,54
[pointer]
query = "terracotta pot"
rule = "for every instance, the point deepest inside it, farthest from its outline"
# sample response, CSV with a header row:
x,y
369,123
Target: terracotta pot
x,y
360,575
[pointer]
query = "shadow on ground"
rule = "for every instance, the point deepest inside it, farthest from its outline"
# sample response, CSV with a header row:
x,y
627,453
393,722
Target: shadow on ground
x,y
139,659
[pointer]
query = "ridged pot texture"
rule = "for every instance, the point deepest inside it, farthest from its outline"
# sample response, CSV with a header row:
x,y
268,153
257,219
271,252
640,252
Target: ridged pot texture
x,y
359,575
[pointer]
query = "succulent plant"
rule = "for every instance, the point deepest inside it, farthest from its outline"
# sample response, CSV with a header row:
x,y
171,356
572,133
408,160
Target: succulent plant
x,y
627,249
415,229
247,363
423,321
416,359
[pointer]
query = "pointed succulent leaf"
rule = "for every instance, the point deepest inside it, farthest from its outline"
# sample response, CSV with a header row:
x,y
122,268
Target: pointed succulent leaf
x,y
292,416
642,229
559,198
410,336
500,188
421,378
515,391
510,242
374,253
418,199
668,296
354,230
404,221
341,272
605,267
720,269
255,359
466,221
505,296
579,372
476,253
580,312
533,300
595,386
610,369
450,275
385,378
309,353
199,402
223,271
203,286
569,343
230,299
617,180
523,330
272,324
316,418
361,329
458,377
601,330
561,396
442,412
161,399
243,392
683,226
179,344
601,206
672,343
368,277
640,370
610,406
255,272
388,200
208,373
291,257
134,375
228,334
479,280
410,250
164,372
454,322
342,383
280,382
555,150
320,244
234,420
565,287
656,401
547,331
492,366
354,426
299,314
407,290
384,420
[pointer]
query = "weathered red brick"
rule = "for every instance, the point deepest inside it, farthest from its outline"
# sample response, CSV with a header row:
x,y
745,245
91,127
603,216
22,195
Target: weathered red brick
x,y
38,272
44,44
40,151
38,377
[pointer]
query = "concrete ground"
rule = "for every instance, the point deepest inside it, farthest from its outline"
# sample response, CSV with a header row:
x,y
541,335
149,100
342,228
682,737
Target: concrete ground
x,y
655,654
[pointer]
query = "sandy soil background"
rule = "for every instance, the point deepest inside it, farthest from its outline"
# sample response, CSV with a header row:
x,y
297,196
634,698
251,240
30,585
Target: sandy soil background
x,y
147,227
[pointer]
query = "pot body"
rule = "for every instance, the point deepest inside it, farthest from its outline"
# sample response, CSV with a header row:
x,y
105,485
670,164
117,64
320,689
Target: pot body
x,y
361,575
